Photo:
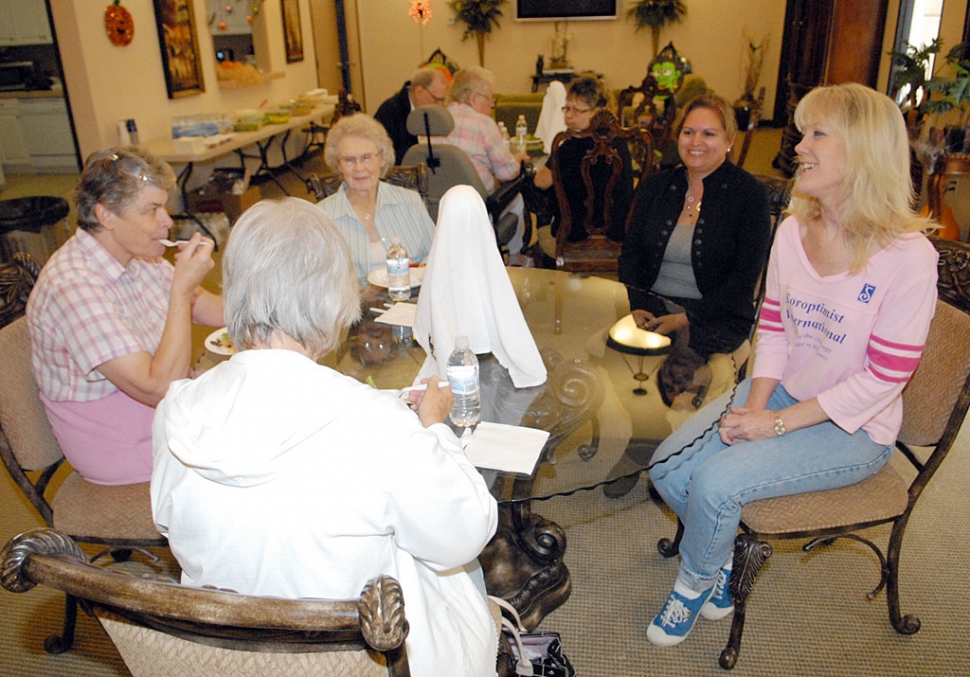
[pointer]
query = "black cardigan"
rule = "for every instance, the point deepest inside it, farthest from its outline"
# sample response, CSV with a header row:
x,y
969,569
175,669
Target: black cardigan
x,y
393,114
731,241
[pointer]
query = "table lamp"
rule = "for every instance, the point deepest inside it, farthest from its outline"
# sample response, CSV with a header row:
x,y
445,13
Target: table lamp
x,y
626,337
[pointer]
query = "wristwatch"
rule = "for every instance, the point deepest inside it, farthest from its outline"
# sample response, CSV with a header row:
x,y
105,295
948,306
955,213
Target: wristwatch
x,y
780,428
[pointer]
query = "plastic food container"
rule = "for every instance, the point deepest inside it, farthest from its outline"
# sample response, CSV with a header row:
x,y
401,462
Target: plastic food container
x,y
248,120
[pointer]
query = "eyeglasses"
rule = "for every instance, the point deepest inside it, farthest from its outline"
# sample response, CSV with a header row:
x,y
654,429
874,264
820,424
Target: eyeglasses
x,y
573,109
350,162
490,98
437,99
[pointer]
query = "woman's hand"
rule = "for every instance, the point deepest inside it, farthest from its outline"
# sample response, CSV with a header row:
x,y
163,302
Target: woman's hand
x,y
192,263
642,318
665,324
744,424
434,404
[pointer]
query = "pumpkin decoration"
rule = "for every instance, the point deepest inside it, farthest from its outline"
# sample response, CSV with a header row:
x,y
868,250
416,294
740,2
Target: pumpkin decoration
x,y
118,24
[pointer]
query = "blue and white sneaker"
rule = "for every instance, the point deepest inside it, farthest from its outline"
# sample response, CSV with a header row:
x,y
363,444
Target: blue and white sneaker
x,y
675,621
721,603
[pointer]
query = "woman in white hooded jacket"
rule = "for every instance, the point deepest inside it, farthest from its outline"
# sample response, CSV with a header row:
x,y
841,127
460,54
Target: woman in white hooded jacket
x,y
276,476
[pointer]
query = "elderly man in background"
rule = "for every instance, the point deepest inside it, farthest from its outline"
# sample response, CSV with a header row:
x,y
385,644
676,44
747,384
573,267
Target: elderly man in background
x,y
426,87
476,133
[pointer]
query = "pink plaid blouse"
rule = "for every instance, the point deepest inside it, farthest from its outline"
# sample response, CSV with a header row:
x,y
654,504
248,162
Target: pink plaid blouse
x,y
478,136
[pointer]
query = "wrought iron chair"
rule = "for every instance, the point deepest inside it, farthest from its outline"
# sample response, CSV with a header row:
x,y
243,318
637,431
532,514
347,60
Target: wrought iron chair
x,y
161,627
614,155
935,404
119,517
412,177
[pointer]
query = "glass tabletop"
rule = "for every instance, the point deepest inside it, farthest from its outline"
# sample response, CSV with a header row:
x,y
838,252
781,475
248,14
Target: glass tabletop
x,y
597,403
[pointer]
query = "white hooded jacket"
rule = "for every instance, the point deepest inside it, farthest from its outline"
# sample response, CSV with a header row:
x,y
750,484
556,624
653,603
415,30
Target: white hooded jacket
x,y
276,476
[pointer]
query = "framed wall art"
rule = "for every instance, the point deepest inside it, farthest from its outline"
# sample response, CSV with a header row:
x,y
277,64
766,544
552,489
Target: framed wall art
x,y
292,31
180,47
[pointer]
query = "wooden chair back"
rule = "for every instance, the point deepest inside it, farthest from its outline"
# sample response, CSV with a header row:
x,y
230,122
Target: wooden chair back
x,y
413,177
162,627
612,147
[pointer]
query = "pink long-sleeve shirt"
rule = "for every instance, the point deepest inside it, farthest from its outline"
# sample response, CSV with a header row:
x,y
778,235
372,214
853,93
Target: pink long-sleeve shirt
x,y
851,340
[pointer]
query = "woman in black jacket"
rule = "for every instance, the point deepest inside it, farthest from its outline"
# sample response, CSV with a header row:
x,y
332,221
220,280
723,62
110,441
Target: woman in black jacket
x,y
697,242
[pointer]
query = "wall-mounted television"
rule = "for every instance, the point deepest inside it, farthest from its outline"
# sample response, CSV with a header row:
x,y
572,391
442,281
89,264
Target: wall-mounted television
x,y
557,10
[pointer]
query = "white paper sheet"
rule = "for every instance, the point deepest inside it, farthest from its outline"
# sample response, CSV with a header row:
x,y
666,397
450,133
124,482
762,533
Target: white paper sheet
x,y
509,448
400,314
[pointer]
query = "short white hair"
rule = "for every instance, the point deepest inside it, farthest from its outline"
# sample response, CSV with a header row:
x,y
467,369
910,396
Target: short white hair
x,y
287,270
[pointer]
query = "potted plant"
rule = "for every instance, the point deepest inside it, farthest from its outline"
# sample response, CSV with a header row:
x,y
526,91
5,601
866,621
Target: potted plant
x,y
752,64
479,17
909,68
655,14
954,94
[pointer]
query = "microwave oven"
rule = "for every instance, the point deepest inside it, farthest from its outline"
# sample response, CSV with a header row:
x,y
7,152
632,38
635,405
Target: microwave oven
x,y
17,75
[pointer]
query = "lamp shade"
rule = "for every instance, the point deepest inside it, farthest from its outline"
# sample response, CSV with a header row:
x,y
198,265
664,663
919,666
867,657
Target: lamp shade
x,y
626,337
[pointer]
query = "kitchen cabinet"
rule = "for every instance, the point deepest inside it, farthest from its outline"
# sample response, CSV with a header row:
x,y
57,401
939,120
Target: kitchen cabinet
x,y
24,22
13,150
35,136
46,131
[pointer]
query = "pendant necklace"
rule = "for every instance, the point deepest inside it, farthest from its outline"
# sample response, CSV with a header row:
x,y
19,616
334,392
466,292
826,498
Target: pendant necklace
x,y
689,206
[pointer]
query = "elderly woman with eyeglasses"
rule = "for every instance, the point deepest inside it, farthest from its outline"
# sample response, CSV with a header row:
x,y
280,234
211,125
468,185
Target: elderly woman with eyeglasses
x,y
110,319
586,97
369,212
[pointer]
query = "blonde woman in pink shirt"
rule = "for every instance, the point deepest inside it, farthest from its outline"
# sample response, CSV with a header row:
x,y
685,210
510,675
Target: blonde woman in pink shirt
x,y
851,290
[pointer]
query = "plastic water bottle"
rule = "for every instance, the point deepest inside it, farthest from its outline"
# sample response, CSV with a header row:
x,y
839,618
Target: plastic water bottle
x,y
463,379
506,139
521,129
398,271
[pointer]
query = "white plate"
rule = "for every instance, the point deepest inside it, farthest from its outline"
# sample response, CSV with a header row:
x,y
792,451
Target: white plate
x,y
378,277
213,346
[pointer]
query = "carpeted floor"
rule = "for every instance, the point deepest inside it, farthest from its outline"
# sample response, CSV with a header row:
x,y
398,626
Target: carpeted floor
x,y
808,614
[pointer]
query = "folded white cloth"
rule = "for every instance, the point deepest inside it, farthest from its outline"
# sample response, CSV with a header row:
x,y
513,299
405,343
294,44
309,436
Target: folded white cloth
x,y
551,119
467,292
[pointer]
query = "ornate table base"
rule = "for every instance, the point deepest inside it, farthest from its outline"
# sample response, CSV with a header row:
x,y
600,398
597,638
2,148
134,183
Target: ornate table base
x,y
523,563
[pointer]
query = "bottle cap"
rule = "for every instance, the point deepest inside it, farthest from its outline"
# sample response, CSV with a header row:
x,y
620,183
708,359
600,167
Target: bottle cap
x,y
461,342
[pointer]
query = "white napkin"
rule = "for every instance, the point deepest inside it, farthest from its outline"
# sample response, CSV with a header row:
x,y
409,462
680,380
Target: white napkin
x,y
510,448
467,291
551,118
400,314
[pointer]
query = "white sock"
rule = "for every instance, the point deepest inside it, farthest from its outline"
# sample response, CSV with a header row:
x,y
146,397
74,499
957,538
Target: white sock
x,y
681,589
729,565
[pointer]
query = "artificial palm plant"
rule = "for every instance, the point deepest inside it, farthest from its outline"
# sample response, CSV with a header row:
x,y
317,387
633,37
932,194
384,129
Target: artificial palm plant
x,y
655,14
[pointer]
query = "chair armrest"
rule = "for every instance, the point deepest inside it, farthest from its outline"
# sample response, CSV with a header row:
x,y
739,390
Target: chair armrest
x,y
506,191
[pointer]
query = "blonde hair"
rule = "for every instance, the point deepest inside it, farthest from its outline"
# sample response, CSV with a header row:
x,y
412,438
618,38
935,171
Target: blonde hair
x,y
876,194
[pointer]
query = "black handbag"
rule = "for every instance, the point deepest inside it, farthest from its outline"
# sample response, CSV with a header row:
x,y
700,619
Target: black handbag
x,y
533,654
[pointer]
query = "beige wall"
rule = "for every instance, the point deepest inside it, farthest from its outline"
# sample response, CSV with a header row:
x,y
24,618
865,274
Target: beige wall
x,y
392,45
107,83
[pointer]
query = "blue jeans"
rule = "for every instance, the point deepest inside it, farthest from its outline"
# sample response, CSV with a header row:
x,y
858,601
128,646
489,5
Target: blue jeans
x,y
708,483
